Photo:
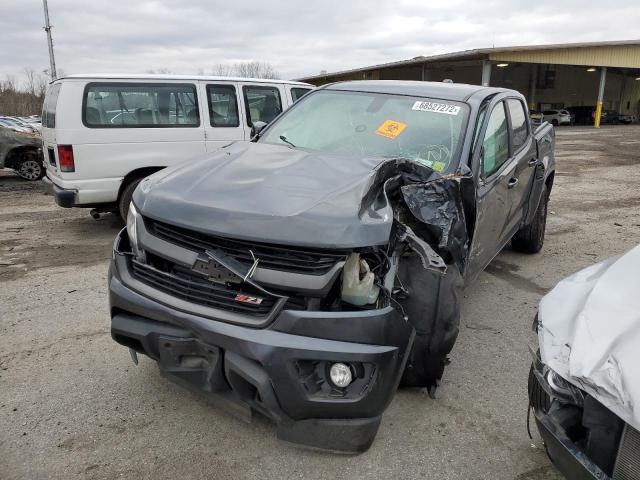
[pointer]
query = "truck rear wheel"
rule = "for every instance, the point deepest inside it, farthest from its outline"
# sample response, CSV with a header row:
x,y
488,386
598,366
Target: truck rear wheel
x,y
530,238
125,197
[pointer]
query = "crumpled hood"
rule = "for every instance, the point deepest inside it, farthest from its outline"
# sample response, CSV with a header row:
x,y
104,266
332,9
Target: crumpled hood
x,y
270,193
589,332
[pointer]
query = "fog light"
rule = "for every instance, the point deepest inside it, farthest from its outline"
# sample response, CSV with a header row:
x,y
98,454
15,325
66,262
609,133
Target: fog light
x,y
340,375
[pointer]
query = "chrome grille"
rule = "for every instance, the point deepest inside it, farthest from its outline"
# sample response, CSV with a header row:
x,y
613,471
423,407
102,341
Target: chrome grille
x,y
628,460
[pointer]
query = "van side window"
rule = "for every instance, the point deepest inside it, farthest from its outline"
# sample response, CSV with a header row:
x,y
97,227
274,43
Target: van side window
x,y
262,103
223,106
296,93
518,123
496,141
49,107
131,105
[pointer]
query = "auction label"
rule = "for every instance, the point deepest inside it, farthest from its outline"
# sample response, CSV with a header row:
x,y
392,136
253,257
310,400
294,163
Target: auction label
x,y
436,107
391,128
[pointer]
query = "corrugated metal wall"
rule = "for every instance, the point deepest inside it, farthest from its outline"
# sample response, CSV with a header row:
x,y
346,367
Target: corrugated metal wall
x,y
607,56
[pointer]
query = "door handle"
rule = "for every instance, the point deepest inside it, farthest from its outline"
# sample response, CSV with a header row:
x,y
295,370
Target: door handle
x,y
533,162
513,181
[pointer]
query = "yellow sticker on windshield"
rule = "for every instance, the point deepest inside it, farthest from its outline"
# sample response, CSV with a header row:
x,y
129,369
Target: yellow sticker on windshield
x,y
391,129
438,166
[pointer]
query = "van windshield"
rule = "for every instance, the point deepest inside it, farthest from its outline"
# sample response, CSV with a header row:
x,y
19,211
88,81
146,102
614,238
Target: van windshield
x,y
424,130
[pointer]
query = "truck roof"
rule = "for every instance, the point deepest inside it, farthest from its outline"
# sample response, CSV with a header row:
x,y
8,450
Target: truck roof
x,y
446,91
157,76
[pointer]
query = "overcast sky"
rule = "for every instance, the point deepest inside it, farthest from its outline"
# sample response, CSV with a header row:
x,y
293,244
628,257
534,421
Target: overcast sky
x,y
298,38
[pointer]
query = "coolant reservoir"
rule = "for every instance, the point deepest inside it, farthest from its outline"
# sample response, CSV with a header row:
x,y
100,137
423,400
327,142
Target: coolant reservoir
x,y
357,282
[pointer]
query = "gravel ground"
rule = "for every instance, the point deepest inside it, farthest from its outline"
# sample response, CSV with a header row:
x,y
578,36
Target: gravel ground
x,y
72,404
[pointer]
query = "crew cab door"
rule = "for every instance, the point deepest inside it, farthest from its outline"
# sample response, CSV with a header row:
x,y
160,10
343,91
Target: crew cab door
x,y
494,169
223,122
525,160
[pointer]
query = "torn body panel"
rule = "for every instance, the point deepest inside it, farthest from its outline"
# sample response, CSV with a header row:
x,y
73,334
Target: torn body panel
x,y
430,243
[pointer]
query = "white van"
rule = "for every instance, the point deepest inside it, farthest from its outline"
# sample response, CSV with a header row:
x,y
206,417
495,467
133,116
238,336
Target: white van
x,y
103,133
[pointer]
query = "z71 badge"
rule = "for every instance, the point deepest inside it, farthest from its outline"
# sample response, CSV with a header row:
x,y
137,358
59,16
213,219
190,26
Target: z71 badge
x,y
251,300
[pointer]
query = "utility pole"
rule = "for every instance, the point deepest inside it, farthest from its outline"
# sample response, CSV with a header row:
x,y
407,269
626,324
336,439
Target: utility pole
x,y
47,28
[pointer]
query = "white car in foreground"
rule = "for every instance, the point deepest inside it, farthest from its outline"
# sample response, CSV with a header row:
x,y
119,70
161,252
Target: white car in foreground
x,y
584,385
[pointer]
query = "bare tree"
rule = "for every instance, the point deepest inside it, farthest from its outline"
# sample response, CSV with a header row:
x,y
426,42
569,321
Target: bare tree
x,y
161,71
253,69
224,70
25,96
256,69
30,76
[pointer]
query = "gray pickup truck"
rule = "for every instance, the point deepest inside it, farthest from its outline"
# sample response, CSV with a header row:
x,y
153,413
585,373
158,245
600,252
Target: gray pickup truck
x,y
307,273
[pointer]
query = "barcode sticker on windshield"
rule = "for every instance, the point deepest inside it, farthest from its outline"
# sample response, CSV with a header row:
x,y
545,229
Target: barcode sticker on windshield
x,y
436,107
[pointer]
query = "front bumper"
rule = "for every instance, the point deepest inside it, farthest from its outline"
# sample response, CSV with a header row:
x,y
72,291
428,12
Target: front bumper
x,y
584,439
276,370
564,453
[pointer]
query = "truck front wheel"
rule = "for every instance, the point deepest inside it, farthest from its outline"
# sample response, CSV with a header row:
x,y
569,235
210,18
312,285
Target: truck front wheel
x,y
530,238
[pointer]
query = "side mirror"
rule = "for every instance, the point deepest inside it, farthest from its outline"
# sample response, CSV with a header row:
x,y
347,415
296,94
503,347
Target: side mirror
x,y
256,128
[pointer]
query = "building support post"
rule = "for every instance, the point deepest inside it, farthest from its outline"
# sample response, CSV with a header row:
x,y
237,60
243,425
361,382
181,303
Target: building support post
x,y
486,73
532,88
603,77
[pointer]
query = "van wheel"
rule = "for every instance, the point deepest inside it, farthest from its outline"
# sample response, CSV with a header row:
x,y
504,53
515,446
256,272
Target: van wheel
x,y
30,168
530,238
554,122
125,197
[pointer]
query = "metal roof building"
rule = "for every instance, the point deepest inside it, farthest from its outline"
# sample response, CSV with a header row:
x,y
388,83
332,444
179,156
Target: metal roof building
x,y
603,74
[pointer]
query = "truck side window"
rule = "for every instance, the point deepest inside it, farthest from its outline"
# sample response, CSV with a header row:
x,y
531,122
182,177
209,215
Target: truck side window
x,y
223,106
496,141
262,103
518,123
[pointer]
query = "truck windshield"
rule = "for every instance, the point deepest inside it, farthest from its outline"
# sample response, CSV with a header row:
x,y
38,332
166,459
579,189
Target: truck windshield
x,y
427,131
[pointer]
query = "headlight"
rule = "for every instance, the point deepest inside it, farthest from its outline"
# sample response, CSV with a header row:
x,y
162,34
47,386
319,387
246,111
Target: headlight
x,y
146,184
132,230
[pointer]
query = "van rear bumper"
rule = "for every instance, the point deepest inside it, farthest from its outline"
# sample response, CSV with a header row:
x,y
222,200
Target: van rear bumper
x,y
83,193
65,198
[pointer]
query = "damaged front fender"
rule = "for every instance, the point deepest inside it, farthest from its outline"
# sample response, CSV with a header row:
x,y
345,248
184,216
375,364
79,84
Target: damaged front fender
x,y
428,248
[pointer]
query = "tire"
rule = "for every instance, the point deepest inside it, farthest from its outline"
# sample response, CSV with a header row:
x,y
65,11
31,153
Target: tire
x,y
424,372
125,197
530,238
30,168
554,123
423,369
538,398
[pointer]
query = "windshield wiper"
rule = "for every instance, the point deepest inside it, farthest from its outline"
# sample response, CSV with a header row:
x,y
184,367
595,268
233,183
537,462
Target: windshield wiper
x,y
284,139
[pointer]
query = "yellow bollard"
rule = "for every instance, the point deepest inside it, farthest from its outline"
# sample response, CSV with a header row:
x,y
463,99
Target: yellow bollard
x,y
596,122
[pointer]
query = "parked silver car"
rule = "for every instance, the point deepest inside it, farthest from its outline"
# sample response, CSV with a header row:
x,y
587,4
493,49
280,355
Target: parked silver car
x,y
584,382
